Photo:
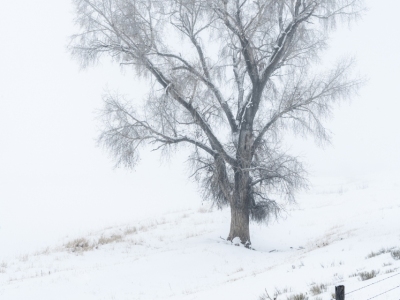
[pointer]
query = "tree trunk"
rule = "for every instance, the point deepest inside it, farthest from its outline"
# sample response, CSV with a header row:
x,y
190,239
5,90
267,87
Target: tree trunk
x,y
240,224
240,202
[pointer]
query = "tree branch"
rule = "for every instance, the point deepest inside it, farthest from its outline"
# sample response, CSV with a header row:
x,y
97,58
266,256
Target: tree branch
x,y
167,84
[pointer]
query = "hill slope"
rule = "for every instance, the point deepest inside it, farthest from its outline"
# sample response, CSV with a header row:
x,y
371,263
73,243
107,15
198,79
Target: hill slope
x,y
339,232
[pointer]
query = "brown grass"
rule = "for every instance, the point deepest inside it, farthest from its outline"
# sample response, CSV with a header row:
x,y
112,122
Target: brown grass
x,y
108,240
318,289
79,245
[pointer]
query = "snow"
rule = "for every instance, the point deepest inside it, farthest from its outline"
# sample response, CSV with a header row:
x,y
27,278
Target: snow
x,y
327,238
55,182
236,241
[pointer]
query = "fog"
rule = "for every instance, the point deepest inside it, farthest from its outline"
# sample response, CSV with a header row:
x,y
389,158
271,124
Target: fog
x,y
55,181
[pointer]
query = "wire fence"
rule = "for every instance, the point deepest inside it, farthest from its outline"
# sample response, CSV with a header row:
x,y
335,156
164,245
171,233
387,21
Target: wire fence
x,y
364,287
384,292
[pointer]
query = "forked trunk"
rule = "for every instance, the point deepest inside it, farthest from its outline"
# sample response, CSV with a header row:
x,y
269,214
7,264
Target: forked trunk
x,y
240,225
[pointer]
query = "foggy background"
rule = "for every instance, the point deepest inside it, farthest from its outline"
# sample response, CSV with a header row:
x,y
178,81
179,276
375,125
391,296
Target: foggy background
x,y
54,181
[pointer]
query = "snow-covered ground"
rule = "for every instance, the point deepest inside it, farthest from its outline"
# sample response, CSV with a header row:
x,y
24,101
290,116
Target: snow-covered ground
x,y
338,230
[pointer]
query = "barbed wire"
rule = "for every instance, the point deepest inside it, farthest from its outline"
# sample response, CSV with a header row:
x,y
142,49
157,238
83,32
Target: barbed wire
x,y
372,284
384,292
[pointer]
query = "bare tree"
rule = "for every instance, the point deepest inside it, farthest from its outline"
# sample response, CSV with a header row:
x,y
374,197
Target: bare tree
x,y
229,78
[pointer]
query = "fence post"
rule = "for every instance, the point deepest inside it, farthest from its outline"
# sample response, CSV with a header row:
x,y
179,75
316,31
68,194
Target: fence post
x,y
339,292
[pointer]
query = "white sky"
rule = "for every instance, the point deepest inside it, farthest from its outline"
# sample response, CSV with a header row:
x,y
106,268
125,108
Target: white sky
x,y
53,178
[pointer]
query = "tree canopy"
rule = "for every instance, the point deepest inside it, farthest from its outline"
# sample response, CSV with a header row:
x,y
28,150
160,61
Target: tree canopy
x,y
226,77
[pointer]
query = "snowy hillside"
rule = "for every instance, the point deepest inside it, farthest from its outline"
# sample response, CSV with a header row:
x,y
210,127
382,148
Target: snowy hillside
x,y
339,233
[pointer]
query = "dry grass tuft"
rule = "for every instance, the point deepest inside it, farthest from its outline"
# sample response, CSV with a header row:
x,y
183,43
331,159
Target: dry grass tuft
x,y
379,252
24,258
145,228
3,267
391,270
108,240
79,245
395,254
318,289
297,297
130,230
45,251
136,242
368,275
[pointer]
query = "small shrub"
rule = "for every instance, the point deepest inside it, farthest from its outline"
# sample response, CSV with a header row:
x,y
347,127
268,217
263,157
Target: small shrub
x,y
265,296
368,275
395,254
318,289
